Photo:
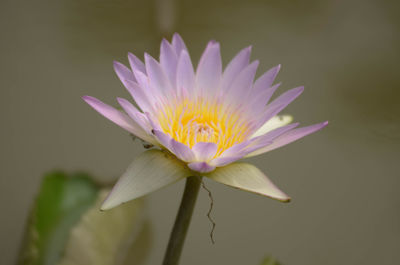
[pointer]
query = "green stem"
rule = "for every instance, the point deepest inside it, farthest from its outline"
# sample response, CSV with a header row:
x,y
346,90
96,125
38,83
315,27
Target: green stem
x,y
182,221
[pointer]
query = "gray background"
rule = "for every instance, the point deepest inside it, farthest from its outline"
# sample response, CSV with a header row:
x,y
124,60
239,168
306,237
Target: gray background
x,y
343,180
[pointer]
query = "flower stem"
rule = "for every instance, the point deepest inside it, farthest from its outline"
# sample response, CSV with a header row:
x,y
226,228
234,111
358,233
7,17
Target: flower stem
x,y
182,221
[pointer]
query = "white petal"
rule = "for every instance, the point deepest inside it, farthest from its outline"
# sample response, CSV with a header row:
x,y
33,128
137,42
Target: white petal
x,y
249,178
275,122
150,171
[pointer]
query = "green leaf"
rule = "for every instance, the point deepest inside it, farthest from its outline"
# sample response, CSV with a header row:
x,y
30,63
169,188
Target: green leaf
x,y
270,261
61,201
66,226
118,236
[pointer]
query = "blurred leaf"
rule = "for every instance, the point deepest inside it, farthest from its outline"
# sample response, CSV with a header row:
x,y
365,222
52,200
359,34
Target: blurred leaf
x,y
61,201
270,261
66,227
117,236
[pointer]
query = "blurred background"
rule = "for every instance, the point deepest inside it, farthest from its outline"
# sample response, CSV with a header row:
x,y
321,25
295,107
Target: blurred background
x,y
344,180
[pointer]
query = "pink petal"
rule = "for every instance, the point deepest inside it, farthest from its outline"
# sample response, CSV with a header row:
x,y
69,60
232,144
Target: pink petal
x,y
290,137
201,167
205,151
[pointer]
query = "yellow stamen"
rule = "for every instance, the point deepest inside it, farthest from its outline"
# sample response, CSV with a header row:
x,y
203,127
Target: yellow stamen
x,y
190,122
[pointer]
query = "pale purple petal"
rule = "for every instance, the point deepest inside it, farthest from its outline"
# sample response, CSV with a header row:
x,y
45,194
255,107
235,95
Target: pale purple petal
x,y
163,139
265,81
290,137
241,85
201,167
223,161
204,151
168,60
139,95
135,114
117,117
259,101
182,151
157,76
123,73
178,44
208,74
287,97
280,103
185,74
235,66
270,136
136,64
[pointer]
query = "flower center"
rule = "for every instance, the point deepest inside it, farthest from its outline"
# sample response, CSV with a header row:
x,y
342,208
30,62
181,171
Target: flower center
x,y
190,122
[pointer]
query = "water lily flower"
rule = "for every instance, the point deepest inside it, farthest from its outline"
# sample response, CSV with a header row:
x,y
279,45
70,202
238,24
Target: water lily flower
x,y
202,121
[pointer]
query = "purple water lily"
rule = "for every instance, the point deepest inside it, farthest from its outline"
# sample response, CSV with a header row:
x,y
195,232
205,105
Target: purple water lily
x,y
208,119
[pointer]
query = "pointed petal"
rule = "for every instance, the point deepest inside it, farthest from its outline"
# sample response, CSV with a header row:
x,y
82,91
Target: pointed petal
x,y
136,64
163,138
178,44
156,76
123,73
240,88
287,97
280,103
115,116
249,178
185,73
223,161
150,171
238,63
266,80
289,137
261,99
275,122
202,167
271,135
168,60
135,114
139,95
205,151
208,74
182,151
